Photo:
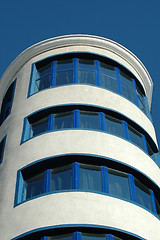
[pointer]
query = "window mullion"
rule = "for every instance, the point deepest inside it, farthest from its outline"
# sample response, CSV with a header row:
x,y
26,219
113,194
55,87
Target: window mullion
x,y
97,68
76,116
44,238
46,185
125,129
145,144
50,122
77,235
75,70
135,92
105,185
20,188
102,121
53,74
153,202
75,175
109,237
118,80
132,188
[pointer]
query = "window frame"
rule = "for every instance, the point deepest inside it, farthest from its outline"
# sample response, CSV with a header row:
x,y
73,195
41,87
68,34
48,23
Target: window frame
x,y
75,171
98,71
76,123
6,104
2,146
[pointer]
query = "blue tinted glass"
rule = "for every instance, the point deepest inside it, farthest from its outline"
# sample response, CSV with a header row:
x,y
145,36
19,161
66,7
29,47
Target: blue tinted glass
x,y
1,150
89,236
141,103
143,195
64,78
135,137
61,237
125,78
64,64
114,126
128,93
89,120
63,120
86,64
61,178
86,77
43,70
157,207
90,177
118,184
108,82
39,126
42,83
150,151
107,69
33,186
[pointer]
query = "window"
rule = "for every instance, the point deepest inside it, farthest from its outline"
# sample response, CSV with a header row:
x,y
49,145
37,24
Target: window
x,y
39,126
64,72
89,236
44,177
61,237
81,118
42,78
108,77
90,177
114,125
86,72
89,120
63,120
118,184
61,178
7,103
143,195
33,186
2,145
135,136
91,70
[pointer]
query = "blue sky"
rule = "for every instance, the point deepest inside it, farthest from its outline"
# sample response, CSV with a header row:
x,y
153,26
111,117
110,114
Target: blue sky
x,y
134,24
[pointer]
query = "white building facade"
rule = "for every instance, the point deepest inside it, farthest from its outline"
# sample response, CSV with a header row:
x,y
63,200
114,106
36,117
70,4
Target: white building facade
x,y
78,149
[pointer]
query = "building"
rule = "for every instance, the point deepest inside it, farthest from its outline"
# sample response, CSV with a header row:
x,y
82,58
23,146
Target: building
x,y
78,149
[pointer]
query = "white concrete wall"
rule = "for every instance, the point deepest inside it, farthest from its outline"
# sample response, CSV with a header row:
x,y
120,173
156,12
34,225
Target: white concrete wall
x,y
81,208
72,208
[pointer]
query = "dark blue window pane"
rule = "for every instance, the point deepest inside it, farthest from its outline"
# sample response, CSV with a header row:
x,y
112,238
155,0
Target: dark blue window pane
x,y
42,83
141,103
39,126
64,78
118,184
117,238
61,178
143,195
33,186
125,78
157,207
89,120
114,126
108,82
86,77
62,237
64,64
128,93
150,151
107,69
90,177
86,64
63,120
43,71
89,236
135,137
1,149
